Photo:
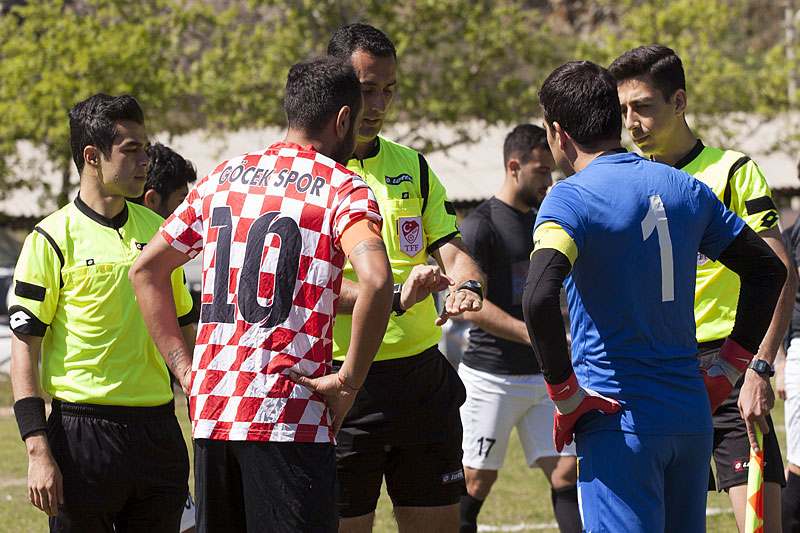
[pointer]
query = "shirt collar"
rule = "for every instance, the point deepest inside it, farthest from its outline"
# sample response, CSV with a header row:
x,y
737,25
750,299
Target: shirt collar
x,y
115,222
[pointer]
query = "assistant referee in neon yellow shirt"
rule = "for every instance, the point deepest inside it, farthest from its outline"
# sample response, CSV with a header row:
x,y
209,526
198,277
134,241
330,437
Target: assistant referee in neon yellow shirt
x,y
111,456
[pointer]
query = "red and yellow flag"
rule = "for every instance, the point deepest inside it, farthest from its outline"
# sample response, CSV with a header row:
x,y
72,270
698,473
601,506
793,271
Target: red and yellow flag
x,y
754,514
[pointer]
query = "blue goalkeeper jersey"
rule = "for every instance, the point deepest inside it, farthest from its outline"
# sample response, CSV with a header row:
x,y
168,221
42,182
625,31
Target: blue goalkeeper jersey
x,y
635,228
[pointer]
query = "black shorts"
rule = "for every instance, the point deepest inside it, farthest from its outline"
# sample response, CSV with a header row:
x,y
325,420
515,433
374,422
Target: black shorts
x,y
265,486
731,445
124,468
405,425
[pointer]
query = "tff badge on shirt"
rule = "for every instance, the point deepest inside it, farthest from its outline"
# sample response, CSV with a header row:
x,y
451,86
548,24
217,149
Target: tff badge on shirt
x,y
409,229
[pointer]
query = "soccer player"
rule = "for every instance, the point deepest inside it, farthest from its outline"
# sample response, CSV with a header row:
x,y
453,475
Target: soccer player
x,y
505,388
168,179
405,424
111,457
625,232
275,228
652,92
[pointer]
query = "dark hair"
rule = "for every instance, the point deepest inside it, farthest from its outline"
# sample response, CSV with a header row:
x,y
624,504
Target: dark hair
x,y
662,64
168,171
359,36
582,97
317,89
522,140
93,123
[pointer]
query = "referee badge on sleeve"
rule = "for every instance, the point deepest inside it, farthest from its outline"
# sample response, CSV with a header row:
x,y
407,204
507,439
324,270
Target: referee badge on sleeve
x,y
409,229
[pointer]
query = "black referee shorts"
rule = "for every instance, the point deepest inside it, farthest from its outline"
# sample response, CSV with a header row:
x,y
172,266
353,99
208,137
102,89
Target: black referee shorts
x,y
124,468
731,449
404,425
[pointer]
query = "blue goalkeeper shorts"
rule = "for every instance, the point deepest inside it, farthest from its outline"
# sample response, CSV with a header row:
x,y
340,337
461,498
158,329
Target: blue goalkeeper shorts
x,y
643,483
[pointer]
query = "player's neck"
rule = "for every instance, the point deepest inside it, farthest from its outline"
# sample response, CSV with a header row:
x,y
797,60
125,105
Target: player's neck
x,y
583,157
507,196
107,206
300,138
680,144
365,149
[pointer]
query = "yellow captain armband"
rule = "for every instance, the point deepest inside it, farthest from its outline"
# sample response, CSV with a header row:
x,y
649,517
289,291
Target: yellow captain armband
x,y
551,235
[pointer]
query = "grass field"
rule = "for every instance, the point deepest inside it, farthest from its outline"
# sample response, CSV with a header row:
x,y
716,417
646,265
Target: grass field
x,y
519,502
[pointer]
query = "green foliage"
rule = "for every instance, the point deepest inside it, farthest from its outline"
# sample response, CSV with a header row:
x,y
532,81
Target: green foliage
x,y
52,56
221,65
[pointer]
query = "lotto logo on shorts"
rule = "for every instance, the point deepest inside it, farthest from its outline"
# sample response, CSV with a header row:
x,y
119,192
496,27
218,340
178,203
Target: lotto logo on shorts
x,y
452,477
738,466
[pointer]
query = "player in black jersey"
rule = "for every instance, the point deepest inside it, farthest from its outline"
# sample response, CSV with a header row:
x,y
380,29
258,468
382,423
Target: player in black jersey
x,y
504,384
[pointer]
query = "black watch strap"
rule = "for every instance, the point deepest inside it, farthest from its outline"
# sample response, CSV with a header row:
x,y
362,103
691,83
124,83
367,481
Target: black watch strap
x,y
762,367
398,289
473,286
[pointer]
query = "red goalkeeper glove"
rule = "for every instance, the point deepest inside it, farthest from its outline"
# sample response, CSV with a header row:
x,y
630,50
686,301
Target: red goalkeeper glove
x,y
721,377
572,401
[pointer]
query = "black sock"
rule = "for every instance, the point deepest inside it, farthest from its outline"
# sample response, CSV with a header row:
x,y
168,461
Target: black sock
x,y
790,503
565,507
470,507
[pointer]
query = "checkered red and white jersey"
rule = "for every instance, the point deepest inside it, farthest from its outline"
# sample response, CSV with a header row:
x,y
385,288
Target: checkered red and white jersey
x,y
268,224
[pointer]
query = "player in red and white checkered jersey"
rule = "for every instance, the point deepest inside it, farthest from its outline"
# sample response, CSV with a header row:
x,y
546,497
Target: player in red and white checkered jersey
x,y
275,228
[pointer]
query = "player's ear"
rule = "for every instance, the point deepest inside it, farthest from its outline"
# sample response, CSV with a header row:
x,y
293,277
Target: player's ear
x,y
151,199
91,156
513,166
679,101
561,136
343,122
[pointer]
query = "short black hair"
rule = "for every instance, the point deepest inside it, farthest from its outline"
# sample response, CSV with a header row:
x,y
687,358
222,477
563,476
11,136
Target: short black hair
x,y
662,64
582,97
92,122
522,140
168,171
360,36
317,89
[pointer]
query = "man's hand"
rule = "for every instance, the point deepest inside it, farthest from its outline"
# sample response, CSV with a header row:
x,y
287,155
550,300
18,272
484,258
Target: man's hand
x,y
186,381
421,282
45,484
756,399
572,401
458,302
335,390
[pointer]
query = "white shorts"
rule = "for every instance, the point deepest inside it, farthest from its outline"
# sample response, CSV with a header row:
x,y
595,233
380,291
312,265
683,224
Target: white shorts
x,y
792,405
495,404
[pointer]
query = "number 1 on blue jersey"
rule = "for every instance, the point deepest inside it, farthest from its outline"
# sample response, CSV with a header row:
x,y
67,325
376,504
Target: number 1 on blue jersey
x,y
656,218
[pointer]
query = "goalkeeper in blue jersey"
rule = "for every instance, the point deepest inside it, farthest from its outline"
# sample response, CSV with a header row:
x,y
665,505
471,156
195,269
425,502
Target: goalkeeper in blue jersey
x,y
623,234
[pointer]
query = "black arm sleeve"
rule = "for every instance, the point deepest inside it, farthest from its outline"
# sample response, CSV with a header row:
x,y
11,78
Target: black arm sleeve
x,y
762,275
542,310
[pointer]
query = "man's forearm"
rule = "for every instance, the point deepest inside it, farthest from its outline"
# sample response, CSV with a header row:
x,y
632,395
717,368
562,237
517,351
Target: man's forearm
x,y
494,321
161,320
25,350
456,262
783,309
373,305
347,297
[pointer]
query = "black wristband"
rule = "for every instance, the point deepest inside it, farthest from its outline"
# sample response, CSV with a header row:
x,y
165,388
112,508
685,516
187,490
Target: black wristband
x,y
30,415
398,289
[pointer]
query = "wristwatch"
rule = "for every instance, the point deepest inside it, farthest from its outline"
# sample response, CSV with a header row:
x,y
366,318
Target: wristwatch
x,y
762,367
472,285
398,289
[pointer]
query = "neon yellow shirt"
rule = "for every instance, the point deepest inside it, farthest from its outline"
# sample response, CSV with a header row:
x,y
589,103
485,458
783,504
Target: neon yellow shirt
x,y
410,231
741,186
71,287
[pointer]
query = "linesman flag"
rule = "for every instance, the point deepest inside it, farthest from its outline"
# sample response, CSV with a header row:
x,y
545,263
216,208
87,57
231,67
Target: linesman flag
x,y
754,513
